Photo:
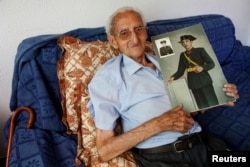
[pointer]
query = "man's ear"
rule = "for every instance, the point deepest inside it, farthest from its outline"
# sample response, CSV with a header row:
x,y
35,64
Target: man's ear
x,y
112,41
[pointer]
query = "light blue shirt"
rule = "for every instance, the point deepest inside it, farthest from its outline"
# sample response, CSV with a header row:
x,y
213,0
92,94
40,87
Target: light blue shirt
x,y
124,88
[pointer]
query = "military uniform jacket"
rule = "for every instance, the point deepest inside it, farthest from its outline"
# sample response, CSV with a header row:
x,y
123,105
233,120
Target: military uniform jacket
x,y
166,50
200,57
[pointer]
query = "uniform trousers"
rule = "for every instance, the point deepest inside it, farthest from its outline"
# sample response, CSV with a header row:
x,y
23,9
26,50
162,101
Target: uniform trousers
x,y
205,96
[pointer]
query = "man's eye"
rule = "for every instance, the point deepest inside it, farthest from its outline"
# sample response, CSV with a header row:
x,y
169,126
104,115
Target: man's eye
x,y
124,33
138,28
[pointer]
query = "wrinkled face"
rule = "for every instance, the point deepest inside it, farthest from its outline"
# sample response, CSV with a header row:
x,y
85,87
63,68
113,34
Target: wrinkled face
x,y
129,34
187,44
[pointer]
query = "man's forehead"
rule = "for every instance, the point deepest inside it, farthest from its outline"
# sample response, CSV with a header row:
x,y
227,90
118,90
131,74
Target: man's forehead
x,y
127,19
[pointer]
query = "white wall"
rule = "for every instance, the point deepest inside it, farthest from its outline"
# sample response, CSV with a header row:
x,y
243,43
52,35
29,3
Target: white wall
x,y
20,19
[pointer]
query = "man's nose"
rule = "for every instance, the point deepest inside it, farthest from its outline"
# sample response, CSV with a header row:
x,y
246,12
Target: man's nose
x,y
134,37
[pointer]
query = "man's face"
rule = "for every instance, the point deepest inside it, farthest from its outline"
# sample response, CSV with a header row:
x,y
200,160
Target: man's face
x,y
187,44
129,34
164,44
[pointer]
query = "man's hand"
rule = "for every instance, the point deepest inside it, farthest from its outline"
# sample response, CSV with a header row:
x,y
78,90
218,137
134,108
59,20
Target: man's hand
x,y
176,120
231,90
110,146
198,69
170,79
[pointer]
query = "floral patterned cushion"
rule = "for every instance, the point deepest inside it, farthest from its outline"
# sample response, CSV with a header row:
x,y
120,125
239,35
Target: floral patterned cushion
x,y
79,62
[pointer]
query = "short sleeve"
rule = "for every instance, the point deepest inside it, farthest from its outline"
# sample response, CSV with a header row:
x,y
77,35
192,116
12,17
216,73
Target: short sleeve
x,y
104,102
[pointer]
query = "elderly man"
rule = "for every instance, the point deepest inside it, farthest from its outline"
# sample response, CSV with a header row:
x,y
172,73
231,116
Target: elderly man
x,y
130,87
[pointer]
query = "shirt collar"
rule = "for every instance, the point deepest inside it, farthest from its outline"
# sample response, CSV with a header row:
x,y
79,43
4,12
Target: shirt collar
x,y
132,66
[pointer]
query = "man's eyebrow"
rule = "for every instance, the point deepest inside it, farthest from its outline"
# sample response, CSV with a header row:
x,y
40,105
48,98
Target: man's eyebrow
x,y
122,29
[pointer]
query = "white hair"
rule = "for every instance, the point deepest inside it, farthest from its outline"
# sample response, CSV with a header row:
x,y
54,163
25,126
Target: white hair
x,y
110,22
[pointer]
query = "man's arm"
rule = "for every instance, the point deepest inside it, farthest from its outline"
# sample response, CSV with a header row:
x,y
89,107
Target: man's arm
x,y
110,146
209,63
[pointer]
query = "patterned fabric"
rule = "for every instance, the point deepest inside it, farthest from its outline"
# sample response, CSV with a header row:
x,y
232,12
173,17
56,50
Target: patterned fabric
x,y
35,84
41,148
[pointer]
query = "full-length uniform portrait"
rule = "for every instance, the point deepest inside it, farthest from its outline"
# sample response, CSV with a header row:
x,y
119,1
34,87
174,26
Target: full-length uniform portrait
x,y
196,62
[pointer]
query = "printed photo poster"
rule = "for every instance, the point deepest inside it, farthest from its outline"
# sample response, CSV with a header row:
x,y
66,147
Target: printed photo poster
x,y
190,68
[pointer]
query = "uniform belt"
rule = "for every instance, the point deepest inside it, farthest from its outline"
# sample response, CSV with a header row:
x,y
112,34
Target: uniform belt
x,y
178,146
